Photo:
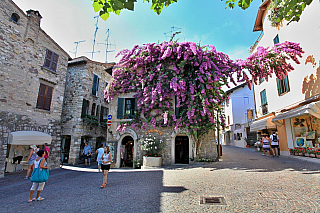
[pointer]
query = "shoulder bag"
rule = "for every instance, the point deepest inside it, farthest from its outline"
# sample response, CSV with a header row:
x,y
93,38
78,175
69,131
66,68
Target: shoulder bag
x,y
39,175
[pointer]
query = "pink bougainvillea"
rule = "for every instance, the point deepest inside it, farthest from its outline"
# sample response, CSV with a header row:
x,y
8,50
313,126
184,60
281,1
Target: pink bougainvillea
x,y
191,75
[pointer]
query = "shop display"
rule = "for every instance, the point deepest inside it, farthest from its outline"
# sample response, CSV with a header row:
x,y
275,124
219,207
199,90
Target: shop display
x,y
300,142
306,128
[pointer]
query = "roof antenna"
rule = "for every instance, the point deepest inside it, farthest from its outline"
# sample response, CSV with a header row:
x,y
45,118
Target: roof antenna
x,y
76,49
106,43
172,32
94,38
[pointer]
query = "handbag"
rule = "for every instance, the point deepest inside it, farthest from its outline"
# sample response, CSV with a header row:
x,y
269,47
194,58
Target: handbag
x,y
39,175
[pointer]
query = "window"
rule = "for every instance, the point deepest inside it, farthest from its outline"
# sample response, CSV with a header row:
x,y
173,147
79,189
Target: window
x,y
95,85
276,40
237,126
104,114
51,60
126,108
245,100
179,110
15,17
264,102
228,101
261,80
228,120
283,85
85,108
93,110
44,97
97,111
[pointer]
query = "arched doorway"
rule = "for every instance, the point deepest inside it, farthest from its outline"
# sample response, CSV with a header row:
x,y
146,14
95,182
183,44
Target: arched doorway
x,y
182,149
126,152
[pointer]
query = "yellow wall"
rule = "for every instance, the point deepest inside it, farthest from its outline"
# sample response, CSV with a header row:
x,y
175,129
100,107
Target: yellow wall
x,y
282,133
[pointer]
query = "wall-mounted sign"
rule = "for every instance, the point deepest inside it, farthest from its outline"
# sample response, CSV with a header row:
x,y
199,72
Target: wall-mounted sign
x,y
153,130
109,123
109,117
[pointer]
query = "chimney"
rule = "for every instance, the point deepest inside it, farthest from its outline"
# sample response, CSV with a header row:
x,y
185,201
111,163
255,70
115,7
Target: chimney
x,y
33,25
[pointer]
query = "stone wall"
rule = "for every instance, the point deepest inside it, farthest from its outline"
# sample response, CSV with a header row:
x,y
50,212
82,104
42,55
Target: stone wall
x,y
78,87
23,46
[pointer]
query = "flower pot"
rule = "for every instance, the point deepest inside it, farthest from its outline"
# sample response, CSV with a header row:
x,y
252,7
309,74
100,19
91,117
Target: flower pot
x,y
152,161
312,155
247,146
306,154
301,154
318,156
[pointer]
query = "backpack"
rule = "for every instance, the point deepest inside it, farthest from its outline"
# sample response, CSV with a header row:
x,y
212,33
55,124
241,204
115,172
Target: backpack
x,y
274,138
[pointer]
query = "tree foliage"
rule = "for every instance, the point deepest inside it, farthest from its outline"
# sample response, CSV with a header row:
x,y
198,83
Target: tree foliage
x,y
289,10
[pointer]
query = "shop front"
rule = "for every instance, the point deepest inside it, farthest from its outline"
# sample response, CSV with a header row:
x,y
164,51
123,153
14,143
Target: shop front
x,y
19,144
305,125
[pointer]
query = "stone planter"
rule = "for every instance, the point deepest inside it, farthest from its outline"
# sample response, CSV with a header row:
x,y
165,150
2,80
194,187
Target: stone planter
x,y
152,161
301,154
312,155
318,156
296,153
306,154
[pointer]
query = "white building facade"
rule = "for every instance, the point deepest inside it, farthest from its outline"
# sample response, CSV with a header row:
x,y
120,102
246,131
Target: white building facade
x,y
291,106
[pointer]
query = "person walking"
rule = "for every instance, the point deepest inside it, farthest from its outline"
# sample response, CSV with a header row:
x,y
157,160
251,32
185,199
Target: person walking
x,y
265,144
99,153
106,160
46,151
31,158
87,154
38,186
274,144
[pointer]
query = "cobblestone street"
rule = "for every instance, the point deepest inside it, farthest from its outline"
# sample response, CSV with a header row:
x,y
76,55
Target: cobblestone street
x,y
248,181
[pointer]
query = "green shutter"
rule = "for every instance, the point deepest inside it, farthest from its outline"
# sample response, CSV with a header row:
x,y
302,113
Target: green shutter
x,y
120,111
94,86
279,87
286,84
84,108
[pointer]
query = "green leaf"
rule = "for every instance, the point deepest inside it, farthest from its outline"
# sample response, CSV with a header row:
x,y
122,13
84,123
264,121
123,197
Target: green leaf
x,y
97,6
104,15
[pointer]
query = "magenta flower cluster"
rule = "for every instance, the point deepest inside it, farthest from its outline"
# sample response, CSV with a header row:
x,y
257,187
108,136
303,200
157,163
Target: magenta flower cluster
x,y
191,77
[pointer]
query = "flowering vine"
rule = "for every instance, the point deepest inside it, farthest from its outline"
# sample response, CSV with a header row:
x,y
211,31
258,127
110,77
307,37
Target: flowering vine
x,y
191,78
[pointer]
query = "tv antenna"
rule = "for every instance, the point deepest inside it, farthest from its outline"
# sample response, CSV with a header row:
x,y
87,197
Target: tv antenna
x,y
172,32
94,38
107,45
76,49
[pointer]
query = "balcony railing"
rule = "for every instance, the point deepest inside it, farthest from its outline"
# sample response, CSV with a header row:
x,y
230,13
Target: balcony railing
x,y
265,109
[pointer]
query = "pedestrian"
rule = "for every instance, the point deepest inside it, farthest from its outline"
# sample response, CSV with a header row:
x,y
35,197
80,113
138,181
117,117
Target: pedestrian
x,y
265,143
18,154
106,160
46,151
99,153
31,158
86,150
38,186
274,143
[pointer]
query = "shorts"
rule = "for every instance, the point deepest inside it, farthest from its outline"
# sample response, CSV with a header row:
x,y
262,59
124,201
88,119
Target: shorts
x,y
86,156
39,185
274,146
31,162
266,148
105,167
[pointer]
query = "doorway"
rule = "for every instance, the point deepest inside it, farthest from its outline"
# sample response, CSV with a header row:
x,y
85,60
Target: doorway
x,y
65,148
182,149
126,152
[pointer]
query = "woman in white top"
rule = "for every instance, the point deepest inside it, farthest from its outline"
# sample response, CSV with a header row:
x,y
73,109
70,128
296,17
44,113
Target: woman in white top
x,y
43,165
106,160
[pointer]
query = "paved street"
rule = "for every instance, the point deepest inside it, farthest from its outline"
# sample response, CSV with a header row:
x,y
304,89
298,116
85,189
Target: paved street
x,y
248,181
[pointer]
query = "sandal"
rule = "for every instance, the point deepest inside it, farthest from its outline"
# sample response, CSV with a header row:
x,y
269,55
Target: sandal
x,y
102,186
29,201
40,198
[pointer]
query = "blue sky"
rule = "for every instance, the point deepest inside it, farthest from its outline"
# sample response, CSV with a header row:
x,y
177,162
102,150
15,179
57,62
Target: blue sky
x,y
67,21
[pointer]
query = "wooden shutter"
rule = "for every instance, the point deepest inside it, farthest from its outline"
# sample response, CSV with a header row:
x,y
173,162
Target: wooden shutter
x,y
84,108
279,86
94,85
54,62
44,97
47,60
120,111
102,113
286,84
176,109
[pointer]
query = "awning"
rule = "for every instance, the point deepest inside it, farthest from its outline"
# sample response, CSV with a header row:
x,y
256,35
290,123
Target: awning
x,y
311,109
265,123
29,138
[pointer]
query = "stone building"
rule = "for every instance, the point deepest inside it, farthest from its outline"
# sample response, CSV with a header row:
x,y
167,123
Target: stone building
x,y
33,70
85,110
179,146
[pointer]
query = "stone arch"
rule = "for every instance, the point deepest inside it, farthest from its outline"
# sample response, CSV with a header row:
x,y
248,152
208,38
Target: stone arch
x,y
174,134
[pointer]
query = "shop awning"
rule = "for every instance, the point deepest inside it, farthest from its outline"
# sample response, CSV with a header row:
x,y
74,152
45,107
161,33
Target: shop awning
x,y
29,138
265,123
311,109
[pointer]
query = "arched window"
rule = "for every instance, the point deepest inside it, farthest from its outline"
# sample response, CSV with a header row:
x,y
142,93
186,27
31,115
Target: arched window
x,y
15,17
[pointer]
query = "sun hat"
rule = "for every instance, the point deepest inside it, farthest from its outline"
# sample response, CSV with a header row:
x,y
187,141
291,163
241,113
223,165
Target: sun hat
x,y
33,146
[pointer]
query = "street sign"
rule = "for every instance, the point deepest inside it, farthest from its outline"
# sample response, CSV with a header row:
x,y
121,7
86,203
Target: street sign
x,y
109,123
109,117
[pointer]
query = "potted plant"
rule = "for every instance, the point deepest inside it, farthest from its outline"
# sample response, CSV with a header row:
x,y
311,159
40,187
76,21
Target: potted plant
x,y
317,153
137,163
153,147
311,152
247,141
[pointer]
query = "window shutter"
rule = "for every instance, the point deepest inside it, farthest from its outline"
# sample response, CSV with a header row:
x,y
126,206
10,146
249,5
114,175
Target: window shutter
x,y
279,87
120,111
84,108
286,84
94,86
41,96
48,98
54,62
176,109
98,110
47,60
102,113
